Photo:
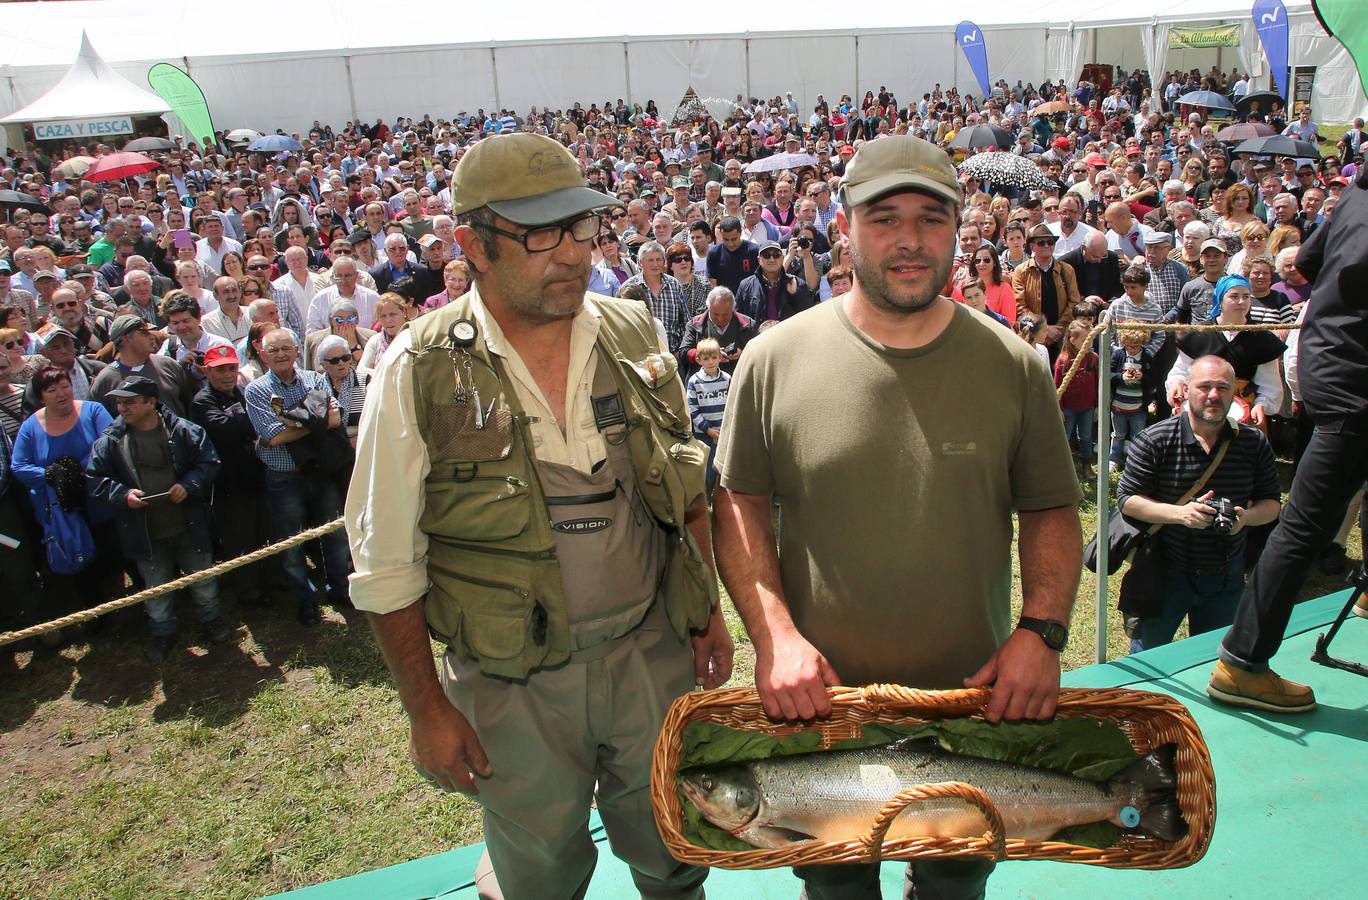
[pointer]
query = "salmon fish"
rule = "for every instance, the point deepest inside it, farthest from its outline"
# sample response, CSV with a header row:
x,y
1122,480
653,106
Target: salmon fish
x,y
835,796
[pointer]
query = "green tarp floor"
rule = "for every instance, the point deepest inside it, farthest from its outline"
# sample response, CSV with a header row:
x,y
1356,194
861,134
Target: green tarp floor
x,y
1292,797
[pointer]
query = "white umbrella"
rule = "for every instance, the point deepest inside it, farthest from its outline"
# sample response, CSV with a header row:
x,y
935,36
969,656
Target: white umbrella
x,y
781,161
241,136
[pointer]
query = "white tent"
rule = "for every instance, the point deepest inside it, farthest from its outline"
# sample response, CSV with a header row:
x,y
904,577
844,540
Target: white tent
x,y
266,65
90,100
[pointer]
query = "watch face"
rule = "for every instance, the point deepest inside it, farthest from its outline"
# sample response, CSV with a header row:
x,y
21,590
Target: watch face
x,y
1056,635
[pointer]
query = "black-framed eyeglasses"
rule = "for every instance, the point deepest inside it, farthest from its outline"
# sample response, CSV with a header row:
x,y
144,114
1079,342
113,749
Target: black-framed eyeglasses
x,y
771,254
338,360
549,237
616,216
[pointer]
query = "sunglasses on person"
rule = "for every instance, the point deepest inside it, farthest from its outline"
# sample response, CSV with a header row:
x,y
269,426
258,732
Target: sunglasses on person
x,y
338,360
617,215
1050,207
1042,242
676,260
10,345
258,267
771,254
346,320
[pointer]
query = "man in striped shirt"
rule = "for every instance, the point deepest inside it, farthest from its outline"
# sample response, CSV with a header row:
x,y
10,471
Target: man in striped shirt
x,y
296,498
1203,563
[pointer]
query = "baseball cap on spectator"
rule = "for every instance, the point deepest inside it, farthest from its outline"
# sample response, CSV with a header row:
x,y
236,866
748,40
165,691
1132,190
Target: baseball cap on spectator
x,y
358,236
1338,180
52,333
9,269
1095,159
222,355
529,179
81,271
1214,244
731,192
1157,237
1060,143
899,162
847,151
768,245
125,325
1132,151
134,386
428,240
679,183
45,273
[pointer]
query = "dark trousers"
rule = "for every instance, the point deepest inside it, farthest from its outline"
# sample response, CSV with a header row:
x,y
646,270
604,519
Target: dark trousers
x,y
24,603
300,500
934,879
242,525
1331,470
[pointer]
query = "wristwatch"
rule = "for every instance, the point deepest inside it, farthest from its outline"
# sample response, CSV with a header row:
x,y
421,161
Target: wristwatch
x,y
1054,634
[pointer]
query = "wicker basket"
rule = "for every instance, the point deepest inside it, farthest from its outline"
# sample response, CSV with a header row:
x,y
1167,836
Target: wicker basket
x,y
1149,720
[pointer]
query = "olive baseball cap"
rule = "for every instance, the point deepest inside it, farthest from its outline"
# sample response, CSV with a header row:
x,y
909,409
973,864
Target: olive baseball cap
x,y
899,162
529,179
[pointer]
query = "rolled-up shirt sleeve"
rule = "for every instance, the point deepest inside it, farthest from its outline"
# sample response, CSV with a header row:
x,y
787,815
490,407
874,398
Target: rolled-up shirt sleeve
x,y
386,499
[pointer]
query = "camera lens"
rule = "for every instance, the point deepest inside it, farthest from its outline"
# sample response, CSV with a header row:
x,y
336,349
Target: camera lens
x,y
804,243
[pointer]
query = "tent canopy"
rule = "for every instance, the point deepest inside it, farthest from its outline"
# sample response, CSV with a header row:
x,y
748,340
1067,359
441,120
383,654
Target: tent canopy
x,y
90,89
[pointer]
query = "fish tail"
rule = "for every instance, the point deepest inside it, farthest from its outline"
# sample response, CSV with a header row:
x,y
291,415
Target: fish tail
x,y
1151,783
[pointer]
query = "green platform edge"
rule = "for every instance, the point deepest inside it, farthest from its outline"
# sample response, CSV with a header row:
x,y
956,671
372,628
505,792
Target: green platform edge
x,y
1292,797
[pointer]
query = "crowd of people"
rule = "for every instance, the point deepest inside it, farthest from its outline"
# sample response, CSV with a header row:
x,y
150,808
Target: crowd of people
x,y
187,353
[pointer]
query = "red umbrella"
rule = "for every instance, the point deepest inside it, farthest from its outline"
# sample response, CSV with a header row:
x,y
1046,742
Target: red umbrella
x,y
120,165
1234,134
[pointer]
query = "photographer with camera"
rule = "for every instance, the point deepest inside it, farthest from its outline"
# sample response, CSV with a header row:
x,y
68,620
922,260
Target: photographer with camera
x,y
1202,550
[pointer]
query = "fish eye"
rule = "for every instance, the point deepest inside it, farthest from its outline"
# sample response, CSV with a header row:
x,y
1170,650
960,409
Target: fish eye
x,y
707,783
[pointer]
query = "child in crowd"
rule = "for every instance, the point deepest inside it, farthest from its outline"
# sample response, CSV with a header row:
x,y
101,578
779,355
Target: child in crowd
x,y
1032,331
975,294
1130,369
1080,397
707,391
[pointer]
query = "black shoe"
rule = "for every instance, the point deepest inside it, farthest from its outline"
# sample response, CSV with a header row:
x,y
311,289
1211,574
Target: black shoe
x,y
309,616
340,600
158,648
1332,561
216,631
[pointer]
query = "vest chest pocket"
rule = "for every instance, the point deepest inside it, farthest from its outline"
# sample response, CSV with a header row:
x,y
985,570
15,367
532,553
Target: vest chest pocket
x,y
652,400
476,508
496,618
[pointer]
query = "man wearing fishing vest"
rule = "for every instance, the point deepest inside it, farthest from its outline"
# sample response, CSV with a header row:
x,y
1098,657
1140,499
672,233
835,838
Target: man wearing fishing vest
x,y
525,468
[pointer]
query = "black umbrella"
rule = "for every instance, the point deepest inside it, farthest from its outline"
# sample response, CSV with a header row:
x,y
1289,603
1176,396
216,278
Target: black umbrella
x,y
1265,99
149,144
1006,170
12,200
981,137
1279,145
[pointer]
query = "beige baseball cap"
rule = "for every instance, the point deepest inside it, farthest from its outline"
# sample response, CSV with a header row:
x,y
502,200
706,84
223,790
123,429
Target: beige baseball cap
x,y
527,178
897,162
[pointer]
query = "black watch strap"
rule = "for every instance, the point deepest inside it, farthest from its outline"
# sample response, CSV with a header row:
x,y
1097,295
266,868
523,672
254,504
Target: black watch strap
x,y
1055,634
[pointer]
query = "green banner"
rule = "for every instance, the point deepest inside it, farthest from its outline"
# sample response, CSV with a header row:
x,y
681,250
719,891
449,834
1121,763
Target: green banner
x,y
1345,22
1182,37
186,100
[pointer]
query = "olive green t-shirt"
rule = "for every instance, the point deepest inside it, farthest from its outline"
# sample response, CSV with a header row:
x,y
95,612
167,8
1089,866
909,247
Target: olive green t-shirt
x,y
897,473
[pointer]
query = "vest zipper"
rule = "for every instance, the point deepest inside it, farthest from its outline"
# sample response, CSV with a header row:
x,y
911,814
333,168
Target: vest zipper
x,y
496,551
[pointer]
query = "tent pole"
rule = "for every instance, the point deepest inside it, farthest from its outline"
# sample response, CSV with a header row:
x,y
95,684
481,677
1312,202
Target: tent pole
x,y
351,87
748,78
1103,489
627,67
494,74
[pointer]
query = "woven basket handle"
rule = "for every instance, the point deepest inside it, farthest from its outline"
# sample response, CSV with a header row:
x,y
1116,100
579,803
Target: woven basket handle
x,y
996,834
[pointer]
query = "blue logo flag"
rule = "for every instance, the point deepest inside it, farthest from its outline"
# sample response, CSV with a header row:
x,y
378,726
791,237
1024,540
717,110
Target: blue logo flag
x,y
1270,21
970,39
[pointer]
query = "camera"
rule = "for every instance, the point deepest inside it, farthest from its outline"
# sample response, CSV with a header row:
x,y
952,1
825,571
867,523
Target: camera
x,y
1225,514
729,349
804,243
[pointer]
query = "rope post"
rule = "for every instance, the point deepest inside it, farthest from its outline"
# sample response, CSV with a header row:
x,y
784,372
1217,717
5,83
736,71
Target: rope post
x,y
1103,488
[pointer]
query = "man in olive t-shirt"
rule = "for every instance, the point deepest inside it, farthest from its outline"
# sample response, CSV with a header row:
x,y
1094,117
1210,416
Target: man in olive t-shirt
x,y
899,431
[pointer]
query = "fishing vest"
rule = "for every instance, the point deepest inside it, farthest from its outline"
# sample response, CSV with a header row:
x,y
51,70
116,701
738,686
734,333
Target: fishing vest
x,y
496,594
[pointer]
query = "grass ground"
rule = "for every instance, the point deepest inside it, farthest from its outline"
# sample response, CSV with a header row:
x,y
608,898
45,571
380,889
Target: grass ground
x,y
269,764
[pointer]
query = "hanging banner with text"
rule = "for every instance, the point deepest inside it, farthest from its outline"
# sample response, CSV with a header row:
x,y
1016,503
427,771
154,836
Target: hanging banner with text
x,y
970,39
185,98
1270,21
82,128
1181,37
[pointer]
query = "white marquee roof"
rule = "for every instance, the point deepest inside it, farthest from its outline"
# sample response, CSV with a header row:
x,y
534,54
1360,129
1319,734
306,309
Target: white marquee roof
x,y
90,89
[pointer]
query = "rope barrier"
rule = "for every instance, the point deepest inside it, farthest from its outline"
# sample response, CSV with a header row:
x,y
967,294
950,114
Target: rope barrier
x,y
85,615
1106,324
